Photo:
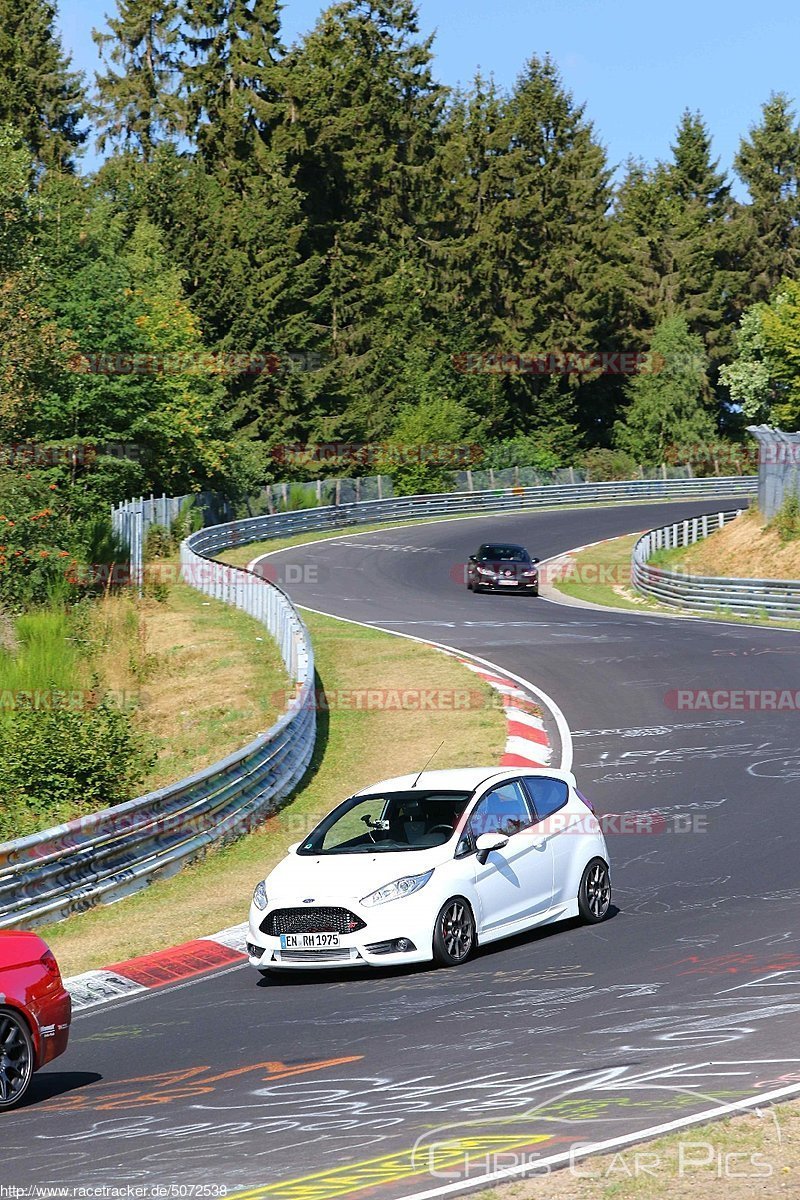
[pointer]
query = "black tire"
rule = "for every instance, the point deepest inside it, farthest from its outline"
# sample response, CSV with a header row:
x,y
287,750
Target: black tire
x,y
594,894
16,1058
454,936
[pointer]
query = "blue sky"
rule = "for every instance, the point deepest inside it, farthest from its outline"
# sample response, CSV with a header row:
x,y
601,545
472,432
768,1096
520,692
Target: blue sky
x,y
635,63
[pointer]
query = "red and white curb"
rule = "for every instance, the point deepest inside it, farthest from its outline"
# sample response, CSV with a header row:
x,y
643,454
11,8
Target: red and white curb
x,y
173,965
527,745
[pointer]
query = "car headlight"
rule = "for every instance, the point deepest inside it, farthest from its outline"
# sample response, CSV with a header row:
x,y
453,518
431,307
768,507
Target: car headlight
x,y
400,887
529,574
260,896
485,571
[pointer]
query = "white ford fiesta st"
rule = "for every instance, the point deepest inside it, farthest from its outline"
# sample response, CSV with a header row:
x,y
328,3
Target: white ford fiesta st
x,y
430,866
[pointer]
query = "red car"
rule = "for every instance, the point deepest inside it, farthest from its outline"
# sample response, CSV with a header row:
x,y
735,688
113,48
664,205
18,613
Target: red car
x,y
35,1012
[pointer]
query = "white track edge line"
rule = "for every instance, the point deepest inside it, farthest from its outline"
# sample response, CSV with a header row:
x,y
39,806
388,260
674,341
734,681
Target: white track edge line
x,y
567,752
599,1147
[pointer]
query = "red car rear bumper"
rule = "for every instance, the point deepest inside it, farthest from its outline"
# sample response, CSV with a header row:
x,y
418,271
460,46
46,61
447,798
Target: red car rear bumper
x,y
53,1017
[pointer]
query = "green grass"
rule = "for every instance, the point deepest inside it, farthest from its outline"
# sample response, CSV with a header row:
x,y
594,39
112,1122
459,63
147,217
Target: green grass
x,y
42,653
613,557
610,563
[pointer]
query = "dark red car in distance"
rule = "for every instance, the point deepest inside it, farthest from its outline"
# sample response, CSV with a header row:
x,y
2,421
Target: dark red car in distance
x,y
35,1012
501,567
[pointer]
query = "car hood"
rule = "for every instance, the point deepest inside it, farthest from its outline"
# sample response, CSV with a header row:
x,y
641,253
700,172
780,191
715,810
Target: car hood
x,y
347,876
508,566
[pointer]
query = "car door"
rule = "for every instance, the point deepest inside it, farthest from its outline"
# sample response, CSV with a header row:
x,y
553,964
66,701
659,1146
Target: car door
x,y
548,796
515,884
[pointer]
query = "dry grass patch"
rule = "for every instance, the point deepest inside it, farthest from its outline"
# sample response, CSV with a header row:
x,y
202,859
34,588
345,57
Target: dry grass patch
x,y
753,1155
360,742
743,549
206,678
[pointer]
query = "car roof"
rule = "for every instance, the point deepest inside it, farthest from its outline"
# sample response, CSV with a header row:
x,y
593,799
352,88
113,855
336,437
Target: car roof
x,y
462,779
503,545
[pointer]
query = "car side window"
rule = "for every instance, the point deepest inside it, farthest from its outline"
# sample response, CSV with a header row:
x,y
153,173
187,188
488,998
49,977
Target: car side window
x,y
547,795
505,810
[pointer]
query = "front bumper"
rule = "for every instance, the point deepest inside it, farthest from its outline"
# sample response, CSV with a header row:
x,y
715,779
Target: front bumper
x,y
508,585
368,947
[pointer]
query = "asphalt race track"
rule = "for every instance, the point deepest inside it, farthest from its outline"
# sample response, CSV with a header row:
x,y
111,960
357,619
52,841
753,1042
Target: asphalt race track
x,y
686,998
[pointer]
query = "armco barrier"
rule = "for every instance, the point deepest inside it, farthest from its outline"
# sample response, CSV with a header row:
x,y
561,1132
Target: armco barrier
x,y
778,598
109,854
454,504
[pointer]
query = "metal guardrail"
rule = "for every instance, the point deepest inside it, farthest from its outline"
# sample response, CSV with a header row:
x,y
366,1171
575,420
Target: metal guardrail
x,y
454,504
777,598
106,855
109,854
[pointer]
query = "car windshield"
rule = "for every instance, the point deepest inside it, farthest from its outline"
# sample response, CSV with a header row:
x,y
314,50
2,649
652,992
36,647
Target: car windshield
x,y
503,554
389,822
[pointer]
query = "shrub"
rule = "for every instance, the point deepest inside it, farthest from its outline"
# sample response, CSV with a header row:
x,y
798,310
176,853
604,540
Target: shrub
x,y
608,465
188,520
786,521
64,761
159,543
298,496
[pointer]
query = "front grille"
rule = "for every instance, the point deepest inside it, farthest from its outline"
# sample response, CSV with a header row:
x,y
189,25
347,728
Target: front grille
x,y
310,920
314,956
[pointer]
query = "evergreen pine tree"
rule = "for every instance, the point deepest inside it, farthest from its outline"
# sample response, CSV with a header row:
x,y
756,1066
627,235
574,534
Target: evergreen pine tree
x,y
669,408
543,233
138,104
359,125
229,97
39,93
768,162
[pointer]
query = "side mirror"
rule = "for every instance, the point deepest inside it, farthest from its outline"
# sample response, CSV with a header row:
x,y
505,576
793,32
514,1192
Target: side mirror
x,y
534,560
473,558
487,842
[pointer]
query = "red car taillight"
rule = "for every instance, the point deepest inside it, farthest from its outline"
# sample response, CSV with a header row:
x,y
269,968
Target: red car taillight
x,y
48,961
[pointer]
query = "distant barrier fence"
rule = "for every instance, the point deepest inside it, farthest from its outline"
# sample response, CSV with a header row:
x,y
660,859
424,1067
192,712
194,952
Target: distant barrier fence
x,y
106,855
454,504
134,519
778,598
778,467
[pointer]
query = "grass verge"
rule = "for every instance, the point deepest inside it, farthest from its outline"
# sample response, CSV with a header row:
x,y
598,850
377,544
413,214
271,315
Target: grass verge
x,y
601,574
753,1154
359,743
747,548
211,678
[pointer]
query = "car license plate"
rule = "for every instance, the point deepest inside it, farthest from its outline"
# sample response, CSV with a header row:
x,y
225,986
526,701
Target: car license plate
x,y
508,582
309,941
